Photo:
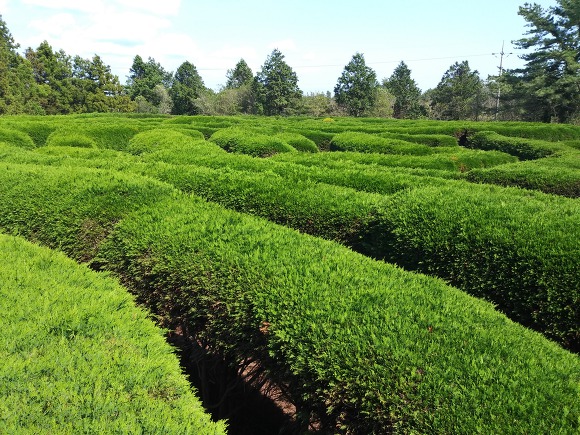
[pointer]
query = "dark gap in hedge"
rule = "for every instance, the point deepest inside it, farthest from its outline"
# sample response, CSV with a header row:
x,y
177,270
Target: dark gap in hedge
x,y
227,395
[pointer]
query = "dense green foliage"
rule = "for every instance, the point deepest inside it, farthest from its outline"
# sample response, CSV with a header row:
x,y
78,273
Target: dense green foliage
x,y
77,356
458,95
546,89
356,88
276,86
524,149
236,140
328,324
407,93
368,143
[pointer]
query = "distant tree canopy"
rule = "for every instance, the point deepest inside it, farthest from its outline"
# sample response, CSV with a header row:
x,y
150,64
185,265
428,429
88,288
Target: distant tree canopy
x,y
406,92
459,94
187,86
276,86
356,88
240,76
547,89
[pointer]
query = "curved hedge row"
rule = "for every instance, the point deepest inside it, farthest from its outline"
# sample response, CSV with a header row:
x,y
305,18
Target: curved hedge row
x,y
369,143
548,179
455,159
525,149
70,138
241,141
432,140
362,346
79,357
365,222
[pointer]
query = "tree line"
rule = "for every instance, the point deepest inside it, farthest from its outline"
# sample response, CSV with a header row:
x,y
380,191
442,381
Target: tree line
x,y
546,89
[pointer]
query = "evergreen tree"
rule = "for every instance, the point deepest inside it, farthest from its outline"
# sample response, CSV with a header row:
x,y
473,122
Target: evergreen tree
x,y
240,76
406,92
550,81
53,73
356,88
275,87
98,89
459,94
144,77
187,87
18,90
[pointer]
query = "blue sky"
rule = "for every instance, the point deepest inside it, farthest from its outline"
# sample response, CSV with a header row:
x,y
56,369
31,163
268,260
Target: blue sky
x,y
317,37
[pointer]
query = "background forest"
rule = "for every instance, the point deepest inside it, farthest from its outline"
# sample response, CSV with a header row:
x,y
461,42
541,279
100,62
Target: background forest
x,y
546,89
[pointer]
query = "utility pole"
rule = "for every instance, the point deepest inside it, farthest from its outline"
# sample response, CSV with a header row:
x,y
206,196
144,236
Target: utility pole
x,y
501,55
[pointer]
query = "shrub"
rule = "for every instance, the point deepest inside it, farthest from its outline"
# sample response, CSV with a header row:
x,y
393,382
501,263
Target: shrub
x,y
236,140
78,356
16,138
525,149
432,140
555,180
368,143
299,142
70,139
328,324
332,326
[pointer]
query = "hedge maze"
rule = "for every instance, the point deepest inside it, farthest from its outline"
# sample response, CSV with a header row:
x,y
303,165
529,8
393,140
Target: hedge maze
x,y
390,276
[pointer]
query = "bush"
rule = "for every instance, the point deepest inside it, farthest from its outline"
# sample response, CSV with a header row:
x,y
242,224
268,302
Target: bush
x,y
432,140
16,138
555,180
236,140
368,143
299,142
328,324
525,149
79,357
70,139
455,159
332,326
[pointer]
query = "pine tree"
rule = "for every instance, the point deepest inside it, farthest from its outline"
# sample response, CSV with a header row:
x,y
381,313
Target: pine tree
x,y
406,92
550,81
276,86
356,88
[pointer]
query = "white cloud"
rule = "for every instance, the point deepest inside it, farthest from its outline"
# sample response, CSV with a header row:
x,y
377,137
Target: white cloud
x,y
283,45
71,5
165,7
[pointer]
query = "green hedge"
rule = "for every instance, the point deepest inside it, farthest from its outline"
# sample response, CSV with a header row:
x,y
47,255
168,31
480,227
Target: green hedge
x,y
509,229
241,141
525,149
35,200
299,142
455,159
70,138
16,138
360,345
555,180
432,140
369,143
79,357
365,222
